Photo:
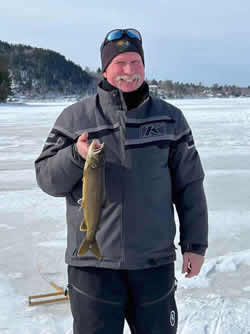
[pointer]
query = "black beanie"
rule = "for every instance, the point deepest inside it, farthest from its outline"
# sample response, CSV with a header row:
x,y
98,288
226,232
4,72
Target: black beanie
x,y
113,48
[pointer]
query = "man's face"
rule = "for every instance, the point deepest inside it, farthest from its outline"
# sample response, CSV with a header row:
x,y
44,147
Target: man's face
x,y
126,71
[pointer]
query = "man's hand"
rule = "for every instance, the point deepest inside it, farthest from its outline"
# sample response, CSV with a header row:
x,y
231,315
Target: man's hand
x,y
82,145
192,264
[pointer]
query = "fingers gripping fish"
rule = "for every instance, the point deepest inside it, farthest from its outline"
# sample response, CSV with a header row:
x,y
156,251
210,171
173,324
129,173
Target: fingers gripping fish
x,y
93,197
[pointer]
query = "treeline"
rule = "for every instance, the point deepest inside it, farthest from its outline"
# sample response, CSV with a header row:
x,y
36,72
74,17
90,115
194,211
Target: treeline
x,y
5,81
41,72
170,89
31,72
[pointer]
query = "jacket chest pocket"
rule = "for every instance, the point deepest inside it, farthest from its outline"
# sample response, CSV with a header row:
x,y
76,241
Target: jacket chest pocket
x,y
159,153
148,141
150,157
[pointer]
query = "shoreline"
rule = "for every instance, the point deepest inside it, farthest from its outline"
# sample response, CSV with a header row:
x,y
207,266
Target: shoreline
x,y
72,98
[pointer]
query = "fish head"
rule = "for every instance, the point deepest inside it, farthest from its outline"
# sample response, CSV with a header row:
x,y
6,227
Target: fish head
x,y
95,156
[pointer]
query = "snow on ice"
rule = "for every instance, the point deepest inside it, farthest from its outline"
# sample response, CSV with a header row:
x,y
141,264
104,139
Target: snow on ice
x,y
33,233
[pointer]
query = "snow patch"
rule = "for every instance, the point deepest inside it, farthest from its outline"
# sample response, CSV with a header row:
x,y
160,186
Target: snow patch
x,y
7,227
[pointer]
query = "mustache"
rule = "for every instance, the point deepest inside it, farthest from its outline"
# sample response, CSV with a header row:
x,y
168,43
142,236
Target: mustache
x,y
128,78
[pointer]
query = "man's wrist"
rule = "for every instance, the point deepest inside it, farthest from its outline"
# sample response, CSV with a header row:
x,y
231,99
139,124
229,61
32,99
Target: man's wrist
x,y
193,248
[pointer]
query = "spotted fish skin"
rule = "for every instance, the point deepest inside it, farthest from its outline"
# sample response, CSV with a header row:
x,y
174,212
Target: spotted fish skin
x,y
93,197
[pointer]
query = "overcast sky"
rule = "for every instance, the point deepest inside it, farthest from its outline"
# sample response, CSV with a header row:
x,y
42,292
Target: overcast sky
x,y
184,40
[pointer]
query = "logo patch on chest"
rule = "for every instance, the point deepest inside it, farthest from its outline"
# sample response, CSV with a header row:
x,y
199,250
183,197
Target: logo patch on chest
x,y
152,130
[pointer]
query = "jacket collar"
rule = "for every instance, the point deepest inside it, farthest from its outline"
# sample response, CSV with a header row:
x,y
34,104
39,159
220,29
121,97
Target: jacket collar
x,y
113,98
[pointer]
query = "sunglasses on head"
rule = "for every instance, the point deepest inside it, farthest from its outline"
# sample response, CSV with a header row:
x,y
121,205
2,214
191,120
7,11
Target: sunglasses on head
x,y
118,33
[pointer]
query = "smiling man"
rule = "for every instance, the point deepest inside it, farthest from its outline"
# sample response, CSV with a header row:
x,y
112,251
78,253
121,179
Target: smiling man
x,y
151,164
126,72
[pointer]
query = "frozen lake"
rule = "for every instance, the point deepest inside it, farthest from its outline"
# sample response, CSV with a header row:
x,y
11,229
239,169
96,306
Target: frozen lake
x,y
33,228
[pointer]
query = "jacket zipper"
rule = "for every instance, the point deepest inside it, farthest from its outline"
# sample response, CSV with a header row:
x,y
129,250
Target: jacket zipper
x,y
122,223
122,133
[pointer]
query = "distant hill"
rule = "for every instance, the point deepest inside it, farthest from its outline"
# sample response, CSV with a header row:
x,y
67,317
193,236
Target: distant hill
x,y
41,72
34,73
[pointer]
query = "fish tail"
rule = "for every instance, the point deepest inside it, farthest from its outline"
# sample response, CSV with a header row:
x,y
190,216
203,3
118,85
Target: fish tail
x,y
95,250
92,246
84,247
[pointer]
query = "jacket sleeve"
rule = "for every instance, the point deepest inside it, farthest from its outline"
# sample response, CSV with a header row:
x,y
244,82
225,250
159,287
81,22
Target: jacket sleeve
x,y
187,188
59,166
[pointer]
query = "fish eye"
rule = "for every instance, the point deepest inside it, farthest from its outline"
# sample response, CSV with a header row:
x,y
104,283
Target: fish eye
x,y
93,165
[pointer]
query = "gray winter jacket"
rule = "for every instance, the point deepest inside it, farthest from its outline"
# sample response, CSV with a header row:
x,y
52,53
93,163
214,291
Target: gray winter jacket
x,y
151,163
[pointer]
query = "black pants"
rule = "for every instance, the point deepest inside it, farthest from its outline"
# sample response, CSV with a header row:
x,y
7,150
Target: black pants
x,y
101,299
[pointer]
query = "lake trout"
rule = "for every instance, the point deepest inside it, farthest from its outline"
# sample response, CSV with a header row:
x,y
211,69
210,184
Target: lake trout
x,y
93,197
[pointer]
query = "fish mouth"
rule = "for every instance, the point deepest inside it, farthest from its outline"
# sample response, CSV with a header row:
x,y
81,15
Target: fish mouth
x,y
98,149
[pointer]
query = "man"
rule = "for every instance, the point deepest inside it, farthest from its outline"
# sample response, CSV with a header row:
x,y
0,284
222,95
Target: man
x,y
151,163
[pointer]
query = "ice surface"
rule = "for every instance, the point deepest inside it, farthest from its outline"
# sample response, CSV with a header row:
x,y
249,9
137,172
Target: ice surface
x,y
33,226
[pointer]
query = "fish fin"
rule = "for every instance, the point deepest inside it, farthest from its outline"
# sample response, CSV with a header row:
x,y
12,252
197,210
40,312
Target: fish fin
x,y
95,249
92,246
83,226
81,202
84,247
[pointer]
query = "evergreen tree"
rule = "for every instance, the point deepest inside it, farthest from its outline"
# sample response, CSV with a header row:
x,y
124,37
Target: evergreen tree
x,y
5,81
